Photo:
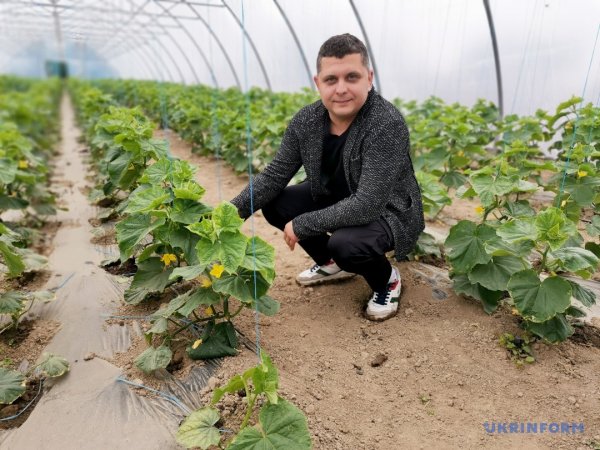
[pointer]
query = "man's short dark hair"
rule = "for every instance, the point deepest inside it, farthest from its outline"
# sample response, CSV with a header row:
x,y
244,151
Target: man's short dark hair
x,y
340,46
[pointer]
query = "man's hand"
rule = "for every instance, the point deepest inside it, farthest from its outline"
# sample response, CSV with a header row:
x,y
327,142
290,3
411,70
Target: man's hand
x,y
289,236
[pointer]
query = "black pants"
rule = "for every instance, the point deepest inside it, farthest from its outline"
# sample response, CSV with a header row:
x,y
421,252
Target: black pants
x,y
359,249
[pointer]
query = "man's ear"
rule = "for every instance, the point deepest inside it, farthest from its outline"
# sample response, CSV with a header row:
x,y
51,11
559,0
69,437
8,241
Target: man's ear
x,y
370,78
316,80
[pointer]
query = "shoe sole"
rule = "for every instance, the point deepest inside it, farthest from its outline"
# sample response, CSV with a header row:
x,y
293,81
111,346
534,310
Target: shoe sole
x,y
340,276
395,313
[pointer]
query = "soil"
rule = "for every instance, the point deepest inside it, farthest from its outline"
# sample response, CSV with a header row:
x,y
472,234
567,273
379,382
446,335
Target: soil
x,y
430,377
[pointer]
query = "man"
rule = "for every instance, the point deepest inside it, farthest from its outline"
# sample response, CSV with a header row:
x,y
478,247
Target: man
x,y
361,198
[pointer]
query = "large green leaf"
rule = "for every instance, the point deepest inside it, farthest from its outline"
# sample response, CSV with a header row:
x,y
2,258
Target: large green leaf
x,y
518,230
267,306
131,231
488,186
188,211
154,358
226,218
12,385
554,227
8,170
489,299
281,426
466,245
494,275
218,341
198,429
229,250
234,384
12,302
555,330
145,200
260,256
573,259
156,148
152,276
190,190
53,365
266,378
12,259
157,172
198,297
539,301
187,273
586,296
241,286
9,202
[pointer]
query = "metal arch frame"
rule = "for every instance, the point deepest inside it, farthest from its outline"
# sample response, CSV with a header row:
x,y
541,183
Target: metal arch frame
x,y
154,18
488,13
367,44
194,42
297,41
133,37
251,42
217,40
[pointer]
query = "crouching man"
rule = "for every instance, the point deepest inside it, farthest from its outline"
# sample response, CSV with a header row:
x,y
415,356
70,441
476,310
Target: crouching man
x,y
360,199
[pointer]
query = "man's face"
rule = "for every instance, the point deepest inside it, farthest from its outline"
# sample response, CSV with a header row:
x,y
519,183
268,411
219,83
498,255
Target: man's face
x,y
343,84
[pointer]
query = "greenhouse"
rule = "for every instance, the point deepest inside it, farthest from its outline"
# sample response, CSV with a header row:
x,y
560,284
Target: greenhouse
x,y
335,224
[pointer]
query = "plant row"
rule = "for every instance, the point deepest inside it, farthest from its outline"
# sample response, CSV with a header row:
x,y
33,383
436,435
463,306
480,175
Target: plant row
x,y
189,253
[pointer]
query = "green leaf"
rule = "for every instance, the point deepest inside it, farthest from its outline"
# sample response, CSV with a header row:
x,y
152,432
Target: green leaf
x,y
198,297
187,273
132,230
555,330
12,302
12,385
260,256
145,200
157,172
593,228
489,186
159,326
226,218
266,378
13,261
574,259
518,230
235,384
489,299
495,274
241,286
554,228
519,209
281,426
539,301
575,312
53,365
156,148
8,202
586,296
500,247
154,358
465,245
33,261
188,211
218,341
190,190
152,276
229,250
593,247
8,170
267,306
198,429
453,179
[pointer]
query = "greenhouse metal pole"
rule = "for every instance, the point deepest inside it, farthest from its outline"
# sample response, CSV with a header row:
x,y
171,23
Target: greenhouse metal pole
x,y
297,41
367,44
488,13
260,63
194,43
219,43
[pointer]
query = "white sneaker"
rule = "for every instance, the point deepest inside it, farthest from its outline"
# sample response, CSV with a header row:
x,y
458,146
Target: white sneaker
x,y
384,305
317,274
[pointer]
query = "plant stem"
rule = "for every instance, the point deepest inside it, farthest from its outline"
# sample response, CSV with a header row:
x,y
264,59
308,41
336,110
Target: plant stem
x,y
543,263
251,399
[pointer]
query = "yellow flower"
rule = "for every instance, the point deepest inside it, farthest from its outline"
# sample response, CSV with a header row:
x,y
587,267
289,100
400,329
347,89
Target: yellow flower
x,y
205,281
197,344
581,173
168,258
479,209
209,311
461,153
217,270
563,203
23,164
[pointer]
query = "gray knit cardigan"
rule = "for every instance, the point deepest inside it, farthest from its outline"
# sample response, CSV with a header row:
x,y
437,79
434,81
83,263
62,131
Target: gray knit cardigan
x,y
378,170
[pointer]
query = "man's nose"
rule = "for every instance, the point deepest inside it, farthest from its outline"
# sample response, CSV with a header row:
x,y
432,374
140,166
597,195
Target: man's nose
x,y
341,87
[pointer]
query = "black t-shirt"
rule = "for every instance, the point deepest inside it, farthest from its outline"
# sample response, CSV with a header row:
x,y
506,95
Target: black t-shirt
x,y
332,166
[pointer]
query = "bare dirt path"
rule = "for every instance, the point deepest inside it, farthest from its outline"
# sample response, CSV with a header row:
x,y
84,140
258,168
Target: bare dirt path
x,y
445,374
